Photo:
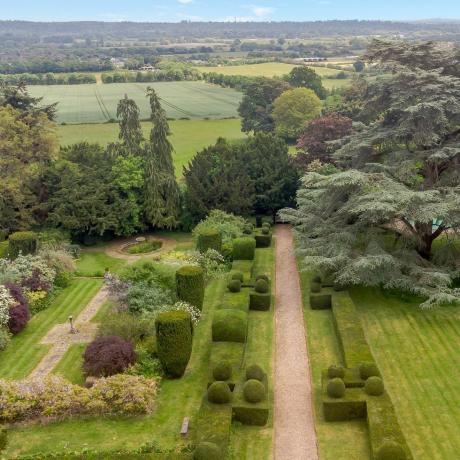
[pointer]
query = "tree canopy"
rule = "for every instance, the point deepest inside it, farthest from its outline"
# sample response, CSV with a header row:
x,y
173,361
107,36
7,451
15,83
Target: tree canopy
x,y
304,77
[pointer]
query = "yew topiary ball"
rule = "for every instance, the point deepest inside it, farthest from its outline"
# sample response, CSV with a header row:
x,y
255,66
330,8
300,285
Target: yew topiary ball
x,y
336,372
222,371
261,286
234,285
391,450
374,386
265,230
255,372
263,277
254,391
367,370
238,276
336,388
219,393
207,451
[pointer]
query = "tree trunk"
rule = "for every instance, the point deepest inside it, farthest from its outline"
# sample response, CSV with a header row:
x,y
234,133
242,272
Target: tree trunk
x,y
426,237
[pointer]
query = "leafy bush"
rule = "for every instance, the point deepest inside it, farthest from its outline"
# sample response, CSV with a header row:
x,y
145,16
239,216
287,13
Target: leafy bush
x,y
143,297
190,285
336,388
254,391
222,371
263,277
209,238
107,356
174,341
3,438
63,279
234,285
244,248
255,372
374,386
315,287
219,393
228,225
5,338
321,302
126,326
212,262
19,317
207,451
265,230
259,302
248,229
261,286
146,365
391,450
36,282
195,313
263,241
26,267
59,259
6,302
238,276
151,273
22,243
336,372
367,370
38,300
56,397
144,247
229,326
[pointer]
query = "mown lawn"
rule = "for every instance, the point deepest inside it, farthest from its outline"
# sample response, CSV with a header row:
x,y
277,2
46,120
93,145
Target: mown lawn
x,y
417,352
25,352
188,136
69,366
95,263
177,399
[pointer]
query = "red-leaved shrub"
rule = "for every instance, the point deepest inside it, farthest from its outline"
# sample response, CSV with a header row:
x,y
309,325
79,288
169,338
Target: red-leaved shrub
x,y
107,356
16,292
19,317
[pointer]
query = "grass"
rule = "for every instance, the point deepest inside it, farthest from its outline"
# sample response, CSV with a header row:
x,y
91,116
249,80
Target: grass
x,y
416,350
98,103
339,439
95,263
25,352
177,399
188,136
70,365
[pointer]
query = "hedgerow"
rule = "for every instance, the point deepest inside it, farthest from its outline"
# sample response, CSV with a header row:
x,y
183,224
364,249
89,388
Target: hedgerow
x,y
22,243
244,248
209,238
229,326
190,285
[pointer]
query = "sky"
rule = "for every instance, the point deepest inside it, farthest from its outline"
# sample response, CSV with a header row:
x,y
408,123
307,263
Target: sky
x,y
226,10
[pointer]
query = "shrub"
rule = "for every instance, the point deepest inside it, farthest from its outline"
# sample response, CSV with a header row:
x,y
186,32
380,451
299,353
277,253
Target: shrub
x,y
209,238
63,279
126,326
265,230
336,388
207,451
248,229
35,282
143,297
238,276
255,372
174,341
244,248
19,317
107,356
253,391
229,326
367,370
5,338
3,438
391,450
190,285
263,241
22,243
321,302
374,386
144,247
16,292
234,285
261,286
219,393
336,372
228,225
151,273
212,262
6,302
259,302
315,287
263,277
222,371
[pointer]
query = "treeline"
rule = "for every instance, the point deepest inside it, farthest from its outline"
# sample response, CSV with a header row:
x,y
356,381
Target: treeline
x,y
45,65
49,79
238,82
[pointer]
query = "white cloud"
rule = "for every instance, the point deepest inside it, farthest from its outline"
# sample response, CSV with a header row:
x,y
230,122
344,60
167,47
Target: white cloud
x,y
185,2
261,11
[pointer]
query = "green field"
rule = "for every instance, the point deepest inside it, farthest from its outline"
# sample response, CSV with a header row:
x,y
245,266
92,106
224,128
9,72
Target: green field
x,y
188,136
98,103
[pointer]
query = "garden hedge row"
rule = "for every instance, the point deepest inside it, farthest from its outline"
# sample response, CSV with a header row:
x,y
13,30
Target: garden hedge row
x,y
229,325
190,285
22,242
209,239
244,248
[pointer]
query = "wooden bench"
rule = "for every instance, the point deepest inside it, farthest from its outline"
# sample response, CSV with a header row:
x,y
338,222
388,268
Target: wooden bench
x,y
185,427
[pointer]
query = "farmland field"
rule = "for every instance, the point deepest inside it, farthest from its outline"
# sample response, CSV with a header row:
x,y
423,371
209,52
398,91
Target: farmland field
x,y
188,136
98,103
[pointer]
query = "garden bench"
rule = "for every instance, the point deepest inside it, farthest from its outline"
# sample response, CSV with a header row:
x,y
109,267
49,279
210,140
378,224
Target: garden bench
x,y
185,426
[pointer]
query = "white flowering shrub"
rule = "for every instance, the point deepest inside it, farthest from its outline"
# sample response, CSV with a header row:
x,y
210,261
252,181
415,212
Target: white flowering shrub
x,y
212,262
23,267
6,302
195,313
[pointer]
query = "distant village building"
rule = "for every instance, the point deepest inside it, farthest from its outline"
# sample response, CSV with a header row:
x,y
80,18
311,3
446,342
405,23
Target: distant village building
x,y
148,68
117,63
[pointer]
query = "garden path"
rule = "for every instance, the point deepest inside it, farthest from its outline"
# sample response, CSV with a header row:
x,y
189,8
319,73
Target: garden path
x,y
295,436
60,338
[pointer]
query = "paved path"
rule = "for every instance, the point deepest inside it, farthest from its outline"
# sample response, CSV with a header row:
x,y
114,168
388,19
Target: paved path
x,y
60,339
295,436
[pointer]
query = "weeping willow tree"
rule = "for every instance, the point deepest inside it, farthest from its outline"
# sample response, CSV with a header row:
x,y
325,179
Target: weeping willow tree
x,y
162,195
391,216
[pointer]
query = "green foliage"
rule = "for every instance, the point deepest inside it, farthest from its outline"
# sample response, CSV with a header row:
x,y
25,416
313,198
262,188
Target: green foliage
x,y
143,298
315,287
255,372
3,438
222,371
263,277
229,326
261,286
126,326
190,285
238,276
22,243
219,393
174,341
259,302
144,247
244,248
336,388
254,391
374,386
234,285
263,241
305,77
320,302
367,370
336,372
293,110
391,450
209,238
150,273
265,230
207,451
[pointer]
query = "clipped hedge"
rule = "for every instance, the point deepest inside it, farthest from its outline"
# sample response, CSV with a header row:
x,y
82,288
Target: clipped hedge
x,y
22,243
234,285
209,238
259,302
320,302
190,285
255,372
3,438
264,240
335,388
238,276
207,451
222,371
261,286
315,287
244,248
367,370
229,326
174,341
254,391
336,372
219,393
391,450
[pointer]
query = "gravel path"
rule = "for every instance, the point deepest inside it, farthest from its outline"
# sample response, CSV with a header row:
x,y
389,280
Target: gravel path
x,y
295,436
